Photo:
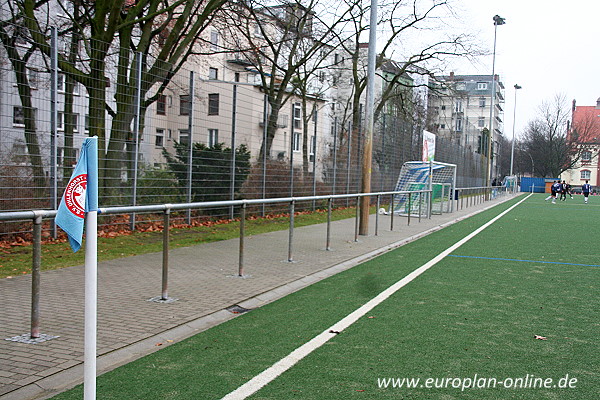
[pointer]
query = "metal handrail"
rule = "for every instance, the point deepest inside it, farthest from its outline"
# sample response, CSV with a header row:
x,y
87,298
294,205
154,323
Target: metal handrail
x,y
36,216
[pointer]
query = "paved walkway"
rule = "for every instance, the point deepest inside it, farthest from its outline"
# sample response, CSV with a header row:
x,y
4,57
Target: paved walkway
x,y
203,280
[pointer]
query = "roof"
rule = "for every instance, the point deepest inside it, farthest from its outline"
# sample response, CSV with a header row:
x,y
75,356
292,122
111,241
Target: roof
x,y
586,121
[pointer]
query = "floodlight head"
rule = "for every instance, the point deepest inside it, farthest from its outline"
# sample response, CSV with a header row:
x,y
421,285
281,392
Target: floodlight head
x,y
498,20
517,87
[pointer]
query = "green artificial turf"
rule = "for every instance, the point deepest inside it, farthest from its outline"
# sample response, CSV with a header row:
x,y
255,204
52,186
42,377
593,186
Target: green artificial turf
x,y
464,316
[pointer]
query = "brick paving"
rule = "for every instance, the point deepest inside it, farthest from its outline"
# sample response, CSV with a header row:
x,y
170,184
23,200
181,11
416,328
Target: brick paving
x,y
202,277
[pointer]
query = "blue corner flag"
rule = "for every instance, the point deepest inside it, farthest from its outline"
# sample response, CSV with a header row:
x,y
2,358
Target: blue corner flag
x,y
81,194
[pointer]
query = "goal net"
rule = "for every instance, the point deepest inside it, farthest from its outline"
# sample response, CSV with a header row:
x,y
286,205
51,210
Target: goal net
x,y
415,175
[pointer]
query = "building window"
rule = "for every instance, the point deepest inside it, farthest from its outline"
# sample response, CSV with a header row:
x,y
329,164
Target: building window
x,y
161,105
184,136
60,121
18,117
586,156
459,125
458,106
184,105
313,145
482,85
481,122
586,174
213,137
60,82
213,104
443,107
482,102
86,123
159,140
214,40
296,141
297,116
213,74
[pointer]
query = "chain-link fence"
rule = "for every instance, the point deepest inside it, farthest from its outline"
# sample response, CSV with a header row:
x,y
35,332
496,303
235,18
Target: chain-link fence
x,y
167,134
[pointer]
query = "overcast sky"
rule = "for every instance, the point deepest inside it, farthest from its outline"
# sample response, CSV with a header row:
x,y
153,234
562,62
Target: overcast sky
x,y
548,47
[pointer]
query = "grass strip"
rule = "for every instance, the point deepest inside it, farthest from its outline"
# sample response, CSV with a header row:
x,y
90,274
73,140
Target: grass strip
x,y
17,260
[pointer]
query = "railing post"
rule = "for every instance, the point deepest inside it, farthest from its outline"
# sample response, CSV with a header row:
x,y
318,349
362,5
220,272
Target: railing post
x,y
377,215
420,204
35,276
392,214
242,238
409,207
165,254
356,218
328,240
291,231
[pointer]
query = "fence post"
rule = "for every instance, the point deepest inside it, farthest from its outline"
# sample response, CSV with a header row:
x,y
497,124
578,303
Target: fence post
x,y
191,145
291,231
242,239
334,155
264,160
233,160
35,275
348,155
54,125
165,254
136,132
328,240
292,144
314,166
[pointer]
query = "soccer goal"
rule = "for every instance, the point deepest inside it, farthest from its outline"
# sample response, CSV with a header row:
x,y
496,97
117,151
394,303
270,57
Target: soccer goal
x,y
415,175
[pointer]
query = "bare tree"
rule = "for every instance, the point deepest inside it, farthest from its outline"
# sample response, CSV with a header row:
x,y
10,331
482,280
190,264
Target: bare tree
x,y
546,141
279,40
20,49
164,33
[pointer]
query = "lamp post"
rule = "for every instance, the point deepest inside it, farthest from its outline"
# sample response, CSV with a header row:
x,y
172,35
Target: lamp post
x,y
512,148
498,20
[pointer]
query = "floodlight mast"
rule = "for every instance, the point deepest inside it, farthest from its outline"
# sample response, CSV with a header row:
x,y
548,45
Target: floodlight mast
x,y
512,147
498,20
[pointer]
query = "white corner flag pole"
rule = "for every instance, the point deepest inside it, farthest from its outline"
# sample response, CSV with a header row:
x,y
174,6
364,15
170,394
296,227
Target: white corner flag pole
x,y
91,278
91,299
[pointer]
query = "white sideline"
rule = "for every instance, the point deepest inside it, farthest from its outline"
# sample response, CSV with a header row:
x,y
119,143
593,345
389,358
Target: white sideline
x,y
262,379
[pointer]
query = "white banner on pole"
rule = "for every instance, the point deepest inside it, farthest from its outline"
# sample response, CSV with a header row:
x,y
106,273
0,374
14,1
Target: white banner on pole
x,y
428,146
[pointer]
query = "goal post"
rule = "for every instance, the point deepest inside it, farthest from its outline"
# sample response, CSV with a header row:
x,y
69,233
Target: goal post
x,y
418,175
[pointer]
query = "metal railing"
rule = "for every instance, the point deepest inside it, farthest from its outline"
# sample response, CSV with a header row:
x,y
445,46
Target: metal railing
x,y
470,196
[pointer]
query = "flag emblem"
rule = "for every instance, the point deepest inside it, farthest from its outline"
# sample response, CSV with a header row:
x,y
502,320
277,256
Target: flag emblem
x,y
75,195
81,194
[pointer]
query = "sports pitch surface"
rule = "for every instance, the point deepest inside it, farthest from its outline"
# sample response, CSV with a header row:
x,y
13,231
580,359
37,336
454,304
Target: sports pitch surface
x,y
512,313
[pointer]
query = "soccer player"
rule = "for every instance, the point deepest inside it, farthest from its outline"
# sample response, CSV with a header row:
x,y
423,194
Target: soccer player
x,y
563,191
553,190
570,190
586,188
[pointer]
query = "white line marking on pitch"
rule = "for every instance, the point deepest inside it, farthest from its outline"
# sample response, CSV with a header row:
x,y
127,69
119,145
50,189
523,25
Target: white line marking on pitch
x,y
262,379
